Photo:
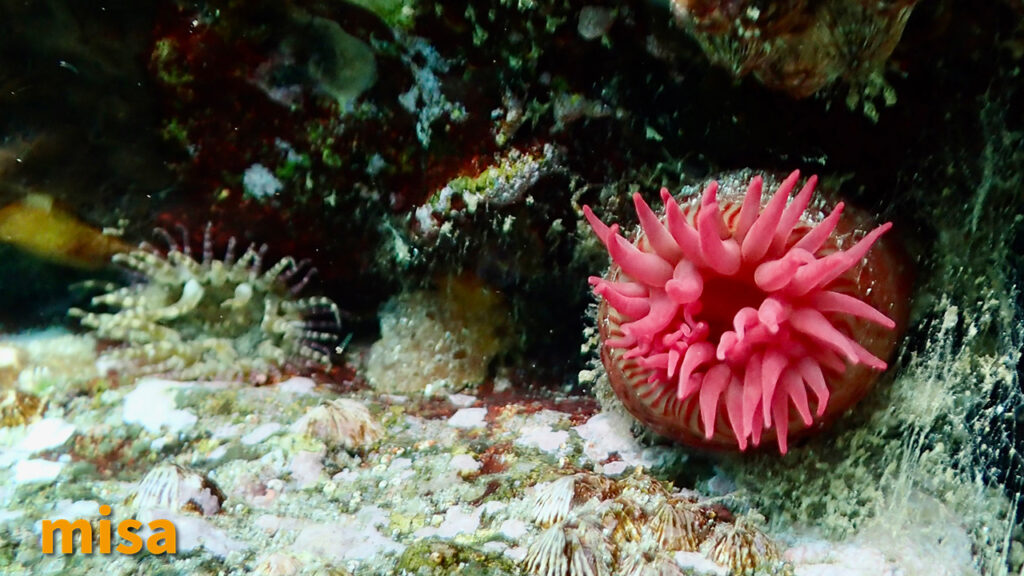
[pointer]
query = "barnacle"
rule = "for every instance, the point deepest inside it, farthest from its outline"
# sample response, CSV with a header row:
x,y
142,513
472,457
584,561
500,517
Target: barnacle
x,y
173,487
647,559
213,318
340,422
553,502
681,525
570,549
18,408
742,547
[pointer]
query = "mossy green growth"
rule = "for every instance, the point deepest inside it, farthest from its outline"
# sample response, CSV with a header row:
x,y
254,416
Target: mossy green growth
x,y
8,548
165,59
400,14
432,557
502,183
293,165
322,137
208,401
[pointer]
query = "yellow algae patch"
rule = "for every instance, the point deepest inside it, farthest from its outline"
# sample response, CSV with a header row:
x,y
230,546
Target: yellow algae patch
x,y
35,225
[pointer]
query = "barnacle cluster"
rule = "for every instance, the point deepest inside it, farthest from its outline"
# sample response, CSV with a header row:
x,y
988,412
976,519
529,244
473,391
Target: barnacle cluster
x,y
213,318
593,525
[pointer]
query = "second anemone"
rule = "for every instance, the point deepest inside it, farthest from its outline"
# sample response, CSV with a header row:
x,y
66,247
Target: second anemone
x,y
213,318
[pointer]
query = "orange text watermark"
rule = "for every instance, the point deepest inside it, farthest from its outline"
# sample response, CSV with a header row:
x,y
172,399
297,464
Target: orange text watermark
x,y
163,540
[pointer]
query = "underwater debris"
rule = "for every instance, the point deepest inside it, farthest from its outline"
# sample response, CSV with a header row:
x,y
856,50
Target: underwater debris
x,y
209,318
176,488
720,317
35,225
340,422
443,338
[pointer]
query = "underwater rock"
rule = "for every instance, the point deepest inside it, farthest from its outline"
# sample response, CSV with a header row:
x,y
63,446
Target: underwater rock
x,y
442,339
801,47
322,57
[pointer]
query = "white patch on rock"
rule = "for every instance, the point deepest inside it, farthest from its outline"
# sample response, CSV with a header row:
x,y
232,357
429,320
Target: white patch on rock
x,y
468,418
462,400
72,510
614,468
27,471
192,532
297,385
260,433
306,468
350,537
609,433
455,522
464,463
260,183
696,563
516,554
514,529
543,438
151,405
820,558
46,434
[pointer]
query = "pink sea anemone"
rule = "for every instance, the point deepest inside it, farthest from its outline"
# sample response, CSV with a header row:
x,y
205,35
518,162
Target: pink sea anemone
x,y
720,317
